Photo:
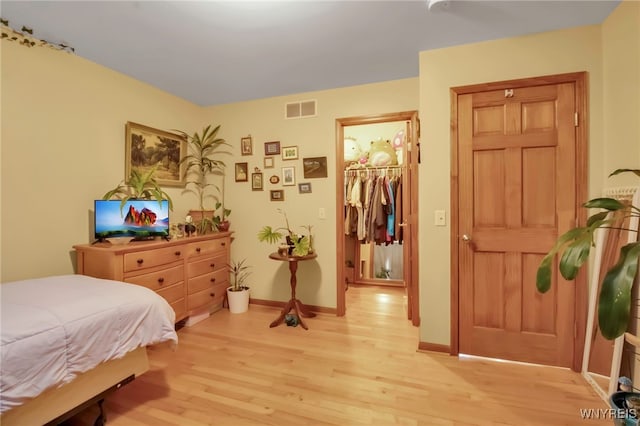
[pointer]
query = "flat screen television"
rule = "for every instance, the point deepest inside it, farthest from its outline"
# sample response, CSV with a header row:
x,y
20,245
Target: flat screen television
x,y
138,219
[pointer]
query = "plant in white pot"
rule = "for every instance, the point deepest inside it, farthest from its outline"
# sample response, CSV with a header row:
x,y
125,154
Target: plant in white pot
x,y
200,166
238,291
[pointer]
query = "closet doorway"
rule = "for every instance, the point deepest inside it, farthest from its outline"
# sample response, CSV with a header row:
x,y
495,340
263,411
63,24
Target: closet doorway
x,y
385,253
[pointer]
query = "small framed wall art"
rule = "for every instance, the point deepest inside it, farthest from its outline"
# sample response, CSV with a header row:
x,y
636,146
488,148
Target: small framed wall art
x,y
288,176
242,172
246,145
314,167
277,195
268,162
256,181
290,153
272,148
304,188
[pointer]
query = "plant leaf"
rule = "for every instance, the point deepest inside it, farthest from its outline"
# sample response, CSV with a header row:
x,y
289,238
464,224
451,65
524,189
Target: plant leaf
x,y
618,171
596,218
574,256
615,296
301,246
543,275
610,204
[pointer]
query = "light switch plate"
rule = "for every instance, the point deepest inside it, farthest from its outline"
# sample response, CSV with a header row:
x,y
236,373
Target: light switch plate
x,y
440,218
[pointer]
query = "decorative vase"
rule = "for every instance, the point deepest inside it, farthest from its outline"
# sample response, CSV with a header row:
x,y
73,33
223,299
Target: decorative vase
x,y
238,300
223,226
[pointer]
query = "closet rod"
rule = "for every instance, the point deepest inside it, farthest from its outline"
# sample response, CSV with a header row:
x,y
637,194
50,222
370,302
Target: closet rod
x,y
374,167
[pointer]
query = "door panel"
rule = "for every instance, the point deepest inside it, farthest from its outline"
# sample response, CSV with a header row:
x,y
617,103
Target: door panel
x,y
516,196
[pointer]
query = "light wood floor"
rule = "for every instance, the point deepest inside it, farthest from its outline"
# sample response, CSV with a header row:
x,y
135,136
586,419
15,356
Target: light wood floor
x,y
362,369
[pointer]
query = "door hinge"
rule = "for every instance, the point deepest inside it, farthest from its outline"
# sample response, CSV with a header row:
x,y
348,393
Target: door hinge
x,y
418,128
575,119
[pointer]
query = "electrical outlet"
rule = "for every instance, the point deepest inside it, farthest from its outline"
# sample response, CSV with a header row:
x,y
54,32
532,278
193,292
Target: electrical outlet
x,y
321,213
440,218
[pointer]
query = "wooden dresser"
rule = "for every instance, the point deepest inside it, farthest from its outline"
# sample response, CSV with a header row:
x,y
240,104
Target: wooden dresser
x,y
190,273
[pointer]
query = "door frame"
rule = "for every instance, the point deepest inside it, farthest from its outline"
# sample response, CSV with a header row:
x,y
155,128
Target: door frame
x,y
581,291
412,169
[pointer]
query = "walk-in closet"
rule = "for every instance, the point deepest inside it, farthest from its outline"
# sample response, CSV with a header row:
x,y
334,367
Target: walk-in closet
x,y
377,200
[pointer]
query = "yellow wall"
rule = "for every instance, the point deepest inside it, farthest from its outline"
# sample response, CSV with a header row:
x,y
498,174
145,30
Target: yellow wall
x,y
621,71
264,120
63,122
610,53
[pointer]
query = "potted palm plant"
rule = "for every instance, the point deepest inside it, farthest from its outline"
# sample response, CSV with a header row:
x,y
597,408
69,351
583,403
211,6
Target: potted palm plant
x,y
238,292
614,303
200,165
139,186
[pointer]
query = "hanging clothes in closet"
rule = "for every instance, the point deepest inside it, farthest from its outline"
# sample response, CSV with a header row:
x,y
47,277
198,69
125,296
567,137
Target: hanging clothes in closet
x,y
373,204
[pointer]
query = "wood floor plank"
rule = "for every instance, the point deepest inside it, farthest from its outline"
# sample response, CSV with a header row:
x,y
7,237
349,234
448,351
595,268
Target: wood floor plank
x,y
361,369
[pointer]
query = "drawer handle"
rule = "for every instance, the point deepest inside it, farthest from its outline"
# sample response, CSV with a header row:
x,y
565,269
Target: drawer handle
x,y
160,280
213,280
177,253
198,249
213,265
212,294
223,244
140,261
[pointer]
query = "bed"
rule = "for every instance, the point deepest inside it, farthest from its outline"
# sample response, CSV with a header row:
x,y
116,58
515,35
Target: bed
x,y
67,340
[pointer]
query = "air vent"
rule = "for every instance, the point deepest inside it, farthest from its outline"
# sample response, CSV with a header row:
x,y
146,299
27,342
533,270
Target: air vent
x,y
300,109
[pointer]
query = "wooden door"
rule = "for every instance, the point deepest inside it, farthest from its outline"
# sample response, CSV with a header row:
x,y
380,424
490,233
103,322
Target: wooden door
x,y
411,152
517,194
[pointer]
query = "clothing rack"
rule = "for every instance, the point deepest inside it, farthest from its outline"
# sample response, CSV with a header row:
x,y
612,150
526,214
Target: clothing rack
x,y
366,171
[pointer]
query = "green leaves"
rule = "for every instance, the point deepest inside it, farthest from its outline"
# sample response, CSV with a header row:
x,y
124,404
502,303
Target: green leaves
x,y
615,296
269,235
301,246
140,185
614,302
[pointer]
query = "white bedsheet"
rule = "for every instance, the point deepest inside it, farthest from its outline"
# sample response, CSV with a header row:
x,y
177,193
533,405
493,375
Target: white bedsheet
x,y
54,328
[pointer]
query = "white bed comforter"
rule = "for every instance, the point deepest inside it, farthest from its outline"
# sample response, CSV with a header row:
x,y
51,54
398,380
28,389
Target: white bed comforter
x,y
57,327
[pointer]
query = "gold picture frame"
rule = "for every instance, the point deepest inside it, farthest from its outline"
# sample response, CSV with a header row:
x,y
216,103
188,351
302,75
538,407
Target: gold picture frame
x,y
290,153
146,147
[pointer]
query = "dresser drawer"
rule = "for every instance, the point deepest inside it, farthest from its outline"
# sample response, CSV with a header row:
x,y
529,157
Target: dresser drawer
x,y
180,308
209,297
208,264
159,279
147,259
173,292
204,281
202,248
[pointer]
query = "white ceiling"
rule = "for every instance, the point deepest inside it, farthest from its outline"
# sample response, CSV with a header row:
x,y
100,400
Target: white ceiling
x,y
217,52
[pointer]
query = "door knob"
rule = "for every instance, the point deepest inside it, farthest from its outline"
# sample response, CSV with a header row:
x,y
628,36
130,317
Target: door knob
x,y
466,238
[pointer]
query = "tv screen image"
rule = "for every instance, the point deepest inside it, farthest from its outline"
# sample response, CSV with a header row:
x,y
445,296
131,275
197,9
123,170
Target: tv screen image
x,y
138,219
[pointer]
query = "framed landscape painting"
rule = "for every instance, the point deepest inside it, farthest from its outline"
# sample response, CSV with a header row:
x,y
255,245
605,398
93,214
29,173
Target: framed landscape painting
x,y
146,147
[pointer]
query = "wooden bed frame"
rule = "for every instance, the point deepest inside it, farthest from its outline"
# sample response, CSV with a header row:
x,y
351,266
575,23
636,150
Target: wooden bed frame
x,y
55,403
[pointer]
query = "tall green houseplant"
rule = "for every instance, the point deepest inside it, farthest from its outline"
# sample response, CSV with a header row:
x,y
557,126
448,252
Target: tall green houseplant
x,y
573,247
200,164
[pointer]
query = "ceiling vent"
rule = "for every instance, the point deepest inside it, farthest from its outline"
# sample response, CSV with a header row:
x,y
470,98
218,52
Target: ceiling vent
x,y
300,109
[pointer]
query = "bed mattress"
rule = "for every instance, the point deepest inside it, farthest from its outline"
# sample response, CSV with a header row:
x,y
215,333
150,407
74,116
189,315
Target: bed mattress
x,y
54,328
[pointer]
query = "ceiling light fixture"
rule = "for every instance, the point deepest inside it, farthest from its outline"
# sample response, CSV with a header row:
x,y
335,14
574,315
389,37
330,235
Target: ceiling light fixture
x,y
434,5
